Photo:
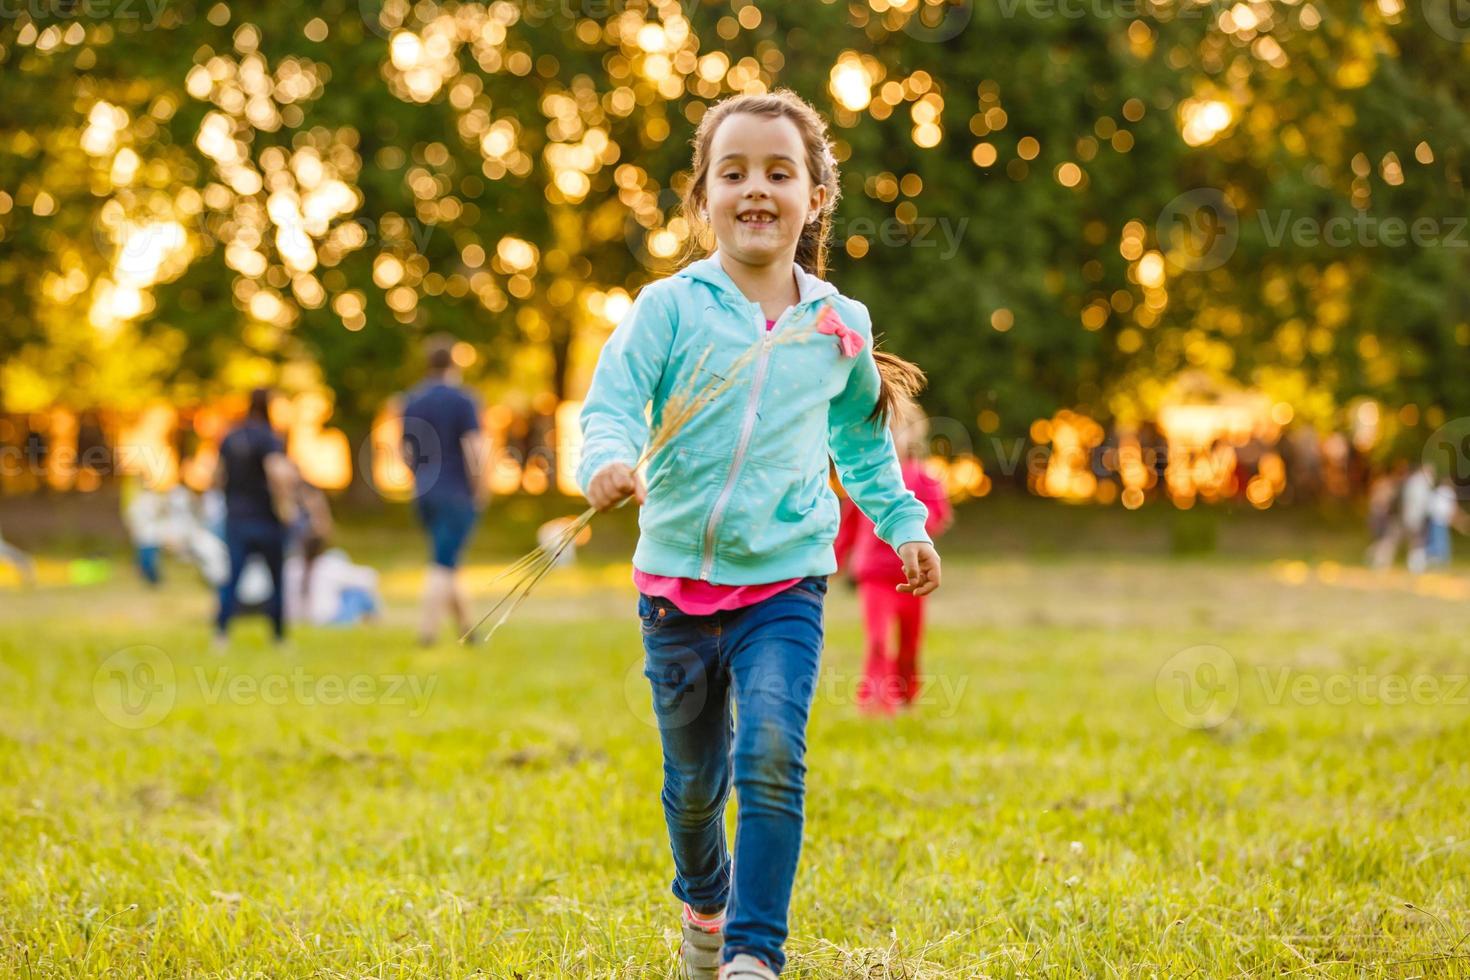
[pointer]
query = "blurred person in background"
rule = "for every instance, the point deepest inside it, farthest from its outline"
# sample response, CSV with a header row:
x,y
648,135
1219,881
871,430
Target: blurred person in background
x,y
891,669
145,515
163,522
259,485
1414,500
1301,451
200,534
1444,515
323,586
342,593
1384,528
445,448
311,530
19,560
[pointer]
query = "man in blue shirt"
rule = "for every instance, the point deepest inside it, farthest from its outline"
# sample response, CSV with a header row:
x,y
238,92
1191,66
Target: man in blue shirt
x,y
445,448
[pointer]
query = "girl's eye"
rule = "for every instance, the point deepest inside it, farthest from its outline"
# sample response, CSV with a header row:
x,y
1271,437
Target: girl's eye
x,y
731,174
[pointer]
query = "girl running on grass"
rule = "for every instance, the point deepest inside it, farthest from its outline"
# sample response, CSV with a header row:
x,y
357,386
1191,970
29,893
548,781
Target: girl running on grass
x,y
891,671
737,519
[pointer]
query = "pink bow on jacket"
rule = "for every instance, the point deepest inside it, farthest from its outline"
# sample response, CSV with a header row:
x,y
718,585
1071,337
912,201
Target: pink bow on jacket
x,y
849,340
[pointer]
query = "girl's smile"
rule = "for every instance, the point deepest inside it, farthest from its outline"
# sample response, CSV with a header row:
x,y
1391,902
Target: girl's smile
x,y
757,218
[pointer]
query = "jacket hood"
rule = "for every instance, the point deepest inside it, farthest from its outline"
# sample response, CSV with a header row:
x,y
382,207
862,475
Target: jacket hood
x,y
709,270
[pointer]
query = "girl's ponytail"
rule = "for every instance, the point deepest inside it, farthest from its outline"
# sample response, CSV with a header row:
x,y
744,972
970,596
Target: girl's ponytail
x,y
899,383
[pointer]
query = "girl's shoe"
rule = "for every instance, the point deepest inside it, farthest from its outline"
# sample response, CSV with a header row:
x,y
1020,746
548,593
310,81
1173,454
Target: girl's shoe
x,y
699,953
746,967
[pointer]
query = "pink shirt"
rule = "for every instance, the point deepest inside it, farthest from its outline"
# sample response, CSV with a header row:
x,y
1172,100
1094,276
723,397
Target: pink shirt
x,y
858,547
698,598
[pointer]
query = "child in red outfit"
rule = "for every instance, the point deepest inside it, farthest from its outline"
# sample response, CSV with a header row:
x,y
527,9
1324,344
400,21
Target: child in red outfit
x,y
891,673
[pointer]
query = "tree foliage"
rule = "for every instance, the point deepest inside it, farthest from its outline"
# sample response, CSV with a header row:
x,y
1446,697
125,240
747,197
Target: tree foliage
x,y
1047,204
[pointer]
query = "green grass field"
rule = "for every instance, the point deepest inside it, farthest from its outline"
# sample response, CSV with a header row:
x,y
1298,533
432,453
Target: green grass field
x,y
360,808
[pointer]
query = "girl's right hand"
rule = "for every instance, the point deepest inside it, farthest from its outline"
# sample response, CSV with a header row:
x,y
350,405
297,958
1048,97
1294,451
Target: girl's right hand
x,y
613,484
920,567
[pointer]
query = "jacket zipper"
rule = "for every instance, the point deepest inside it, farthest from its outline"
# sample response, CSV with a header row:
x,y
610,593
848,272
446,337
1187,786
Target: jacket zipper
x,y
707,566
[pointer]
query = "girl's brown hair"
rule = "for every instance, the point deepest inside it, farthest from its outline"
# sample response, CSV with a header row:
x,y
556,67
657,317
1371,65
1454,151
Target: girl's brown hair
x,y
899,380
899,384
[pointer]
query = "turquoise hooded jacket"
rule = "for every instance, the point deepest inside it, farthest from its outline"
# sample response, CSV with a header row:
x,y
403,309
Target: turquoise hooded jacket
x,y
740,496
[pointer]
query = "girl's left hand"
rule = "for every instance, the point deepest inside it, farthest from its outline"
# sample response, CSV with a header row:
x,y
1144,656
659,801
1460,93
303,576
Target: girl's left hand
x,y
920,567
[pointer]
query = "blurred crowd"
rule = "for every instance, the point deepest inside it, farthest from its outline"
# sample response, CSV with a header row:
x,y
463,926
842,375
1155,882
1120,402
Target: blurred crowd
x,y
1413,510
320,584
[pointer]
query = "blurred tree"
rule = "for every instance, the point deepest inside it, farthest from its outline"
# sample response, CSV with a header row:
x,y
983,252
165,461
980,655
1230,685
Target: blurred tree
x,y
1046,204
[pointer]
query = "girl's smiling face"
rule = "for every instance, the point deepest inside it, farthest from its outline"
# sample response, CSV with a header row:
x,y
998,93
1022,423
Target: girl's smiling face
x,y
760,194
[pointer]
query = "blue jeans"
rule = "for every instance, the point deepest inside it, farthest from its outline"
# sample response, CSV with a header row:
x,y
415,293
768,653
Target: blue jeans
x,y
762,661
245,537
449,521
148,563
1437,543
